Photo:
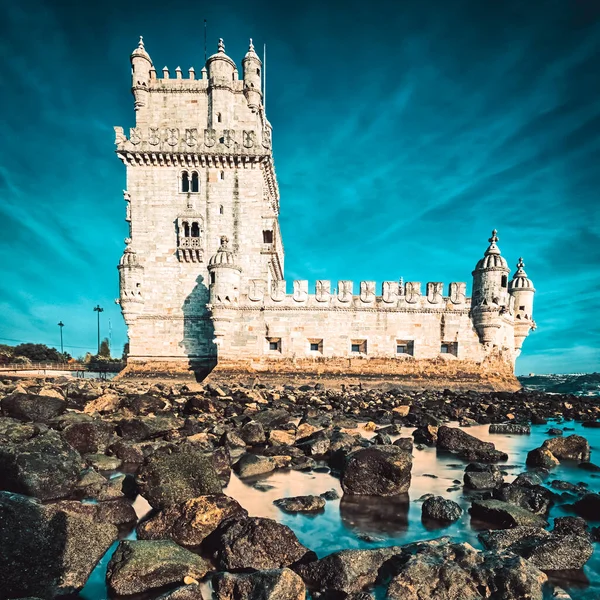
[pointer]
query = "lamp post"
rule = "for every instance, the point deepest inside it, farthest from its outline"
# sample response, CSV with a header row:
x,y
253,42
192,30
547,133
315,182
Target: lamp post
x,y
98,309
61,325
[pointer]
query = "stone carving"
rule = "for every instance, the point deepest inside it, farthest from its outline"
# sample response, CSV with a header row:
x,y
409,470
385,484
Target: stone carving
x,y
210,137
256,290
435,291
135,136
172,136
228,137
278,290
413,291
191,136
300,290
120,136
345,290
389,292
249,137
367,291
323,290
266,137
153,136
458,292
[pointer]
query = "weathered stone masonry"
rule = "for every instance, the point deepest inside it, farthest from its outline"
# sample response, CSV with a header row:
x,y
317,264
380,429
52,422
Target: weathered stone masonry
x,y
202,275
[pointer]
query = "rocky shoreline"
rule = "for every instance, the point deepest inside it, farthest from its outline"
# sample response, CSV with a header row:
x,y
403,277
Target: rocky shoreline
x,y
74,456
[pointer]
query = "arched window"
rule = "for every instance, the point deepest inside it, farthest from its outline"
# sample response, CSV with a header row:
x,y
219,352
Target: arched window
x,y
221,209
195,182
195,230
185,182
186,229
218,117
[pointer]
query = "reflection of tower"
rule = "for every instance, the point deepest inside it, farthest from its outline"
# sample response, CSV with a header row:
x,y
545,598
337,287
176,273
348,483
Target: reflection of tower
x,y
522,290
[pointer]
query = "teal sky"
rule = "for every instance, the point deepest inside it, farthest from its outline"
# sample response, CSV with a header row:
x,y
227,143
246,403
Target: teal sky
x,y
404,132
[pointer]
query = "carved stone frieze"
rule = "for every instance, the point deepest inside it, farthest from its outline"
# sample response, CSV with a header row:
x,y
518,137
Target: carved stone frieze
x,y
367,291
323,290
345,290
389,292
435,291
300,290
413,291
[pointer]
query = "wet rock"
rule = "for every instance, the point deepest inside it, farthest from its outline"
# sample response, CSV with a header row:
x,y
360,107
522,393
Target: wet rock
x,y
101,462
504,515
377,471
347,571
189,523
273,418
405,443
172,477
441,509
255,543
330,495
505,539
541,457
90,437
510,429
567,486
44,466
588,466
273,584
452,439
555,431
381,439
572,447
253,433
32,407
528,478
140,566
482,477
47,551
588,507
570,525
294,504
426,435
116,512
316,444
186,592
250,465
537,499
149,427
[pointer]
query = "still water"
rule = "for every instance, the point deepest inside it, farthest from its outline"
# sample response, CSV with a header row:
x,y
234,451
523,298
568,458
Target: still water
x,y
360,522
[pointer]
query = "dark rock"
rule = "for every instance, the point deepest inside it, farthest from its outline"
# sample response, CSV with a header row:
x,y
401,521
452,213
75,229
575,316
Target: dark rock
x,y
316,444
567,486
330,495
555,431
504,515
116,512
510,429
142,404
253,433
88,437
452,439
31,407
588,507
528,478
504,539
140,566
537,499
172,477
588,466
441,509
296,504
250,465
47,551
377,471
573,447
273,584
541,457
381,439
570,526
45,467
273,418
482,477
426,435
560,552
255,543
139,429
405,443
186,592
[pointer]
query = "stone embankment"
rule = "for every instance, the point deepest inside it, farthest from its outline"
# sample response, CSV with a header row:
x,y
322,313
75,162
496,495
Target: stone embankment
x,y
176,446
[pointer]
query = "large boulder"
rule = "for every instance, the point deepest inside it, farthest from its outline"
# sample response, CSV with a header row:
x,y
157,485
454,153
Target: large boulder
x,y
255,543
44,466
140,566
89,437
47,551
573,447
452,439
274,584
189,523
173,476
32,407
377,471
441,509
536,498
251,465
480,476
541,458
503,515
253,433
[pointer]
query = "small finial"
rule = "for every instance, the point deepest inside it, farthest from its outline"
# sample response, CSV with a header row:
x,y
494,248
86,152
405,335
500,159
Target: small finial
x,y
127,241
221,45
251,48
520,264
494,237
141,42
224,241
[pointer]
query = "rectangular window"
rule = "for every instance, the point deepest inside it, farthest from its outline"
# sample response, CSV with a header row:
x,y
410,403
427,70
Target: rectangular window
x,y
358,346
449,348
521,308
445,349
268,236
405,347
274,344
314,347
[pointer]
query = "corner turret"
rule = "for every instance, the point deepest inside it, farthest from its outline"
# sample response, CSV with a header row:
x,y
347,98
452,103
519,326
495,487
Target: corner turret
x,y
252,66
224,276
131,275
522,290
141,67
222,75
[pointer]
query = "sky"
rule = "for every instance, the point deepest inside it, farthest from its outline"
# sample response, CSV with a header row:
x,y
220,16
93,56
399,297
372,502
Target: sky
x,y
404,132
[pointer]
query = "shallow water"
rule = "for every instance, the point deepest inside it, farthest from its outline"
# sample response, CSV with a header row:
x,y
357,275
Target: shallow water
x,y
368,522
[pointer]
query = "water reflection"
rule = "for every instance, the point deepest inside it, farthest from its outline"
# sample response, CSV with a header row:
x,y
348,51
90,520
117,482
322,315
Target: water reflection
x,y
375,515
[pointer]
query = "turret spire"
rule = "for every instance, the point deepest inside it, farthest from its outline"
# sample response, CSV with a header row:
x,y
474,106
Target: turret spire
x,y
221,45
141,43
493,248
251,47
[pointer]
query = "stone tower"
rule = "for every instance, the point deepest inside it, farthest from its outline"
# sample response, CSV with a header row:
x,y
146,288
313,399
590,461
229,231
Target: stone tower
x,y
199,167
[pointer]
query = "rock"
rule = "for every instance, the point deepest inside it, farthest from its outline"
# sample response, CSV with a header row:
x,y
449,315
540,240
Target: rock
x,y
191,591
347,571
316,444
426,435
273,418
32,407
405,443
505,539
274,584
510,428
139,429
588,507
377,471
541,457
253,433
189,523
441,509
250,465
330,495
255,543
279,437
101,462
401,411
452,439
588,466
555,431
116,512
140,566
573,447
504,515
104,404
309,504
45,467
537,499
46,551
528,478
482,477
89,437
172,477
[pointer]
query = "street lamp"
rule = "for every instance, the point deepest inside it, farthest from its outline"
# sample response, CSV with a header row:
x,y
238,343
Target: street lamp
x,y
61,325
98,309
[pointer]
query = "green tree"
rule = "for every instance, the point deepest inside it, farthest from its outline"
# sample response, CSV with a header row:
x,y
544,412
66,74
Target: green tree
x,y
39,353
104,349
125,352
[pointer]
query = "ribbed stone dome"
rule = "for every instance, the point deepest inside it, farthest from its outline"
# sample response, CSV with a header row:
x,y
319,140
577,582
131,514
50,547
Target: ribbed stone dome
x,y
252,53
520,281
223,257
492,258
141,51
129,258
220,55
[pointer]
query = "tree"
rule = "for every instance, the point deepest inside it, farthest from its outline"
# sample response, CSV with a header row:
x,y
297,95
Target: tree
x,y
39,353
104,349
125,352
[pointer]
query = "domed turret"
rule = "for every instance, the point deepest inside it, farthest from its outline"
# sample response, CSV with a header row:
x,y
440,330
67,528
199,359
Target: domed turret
x,y
252,67
224,275
220,67
131,275
522,290
490,277
141,65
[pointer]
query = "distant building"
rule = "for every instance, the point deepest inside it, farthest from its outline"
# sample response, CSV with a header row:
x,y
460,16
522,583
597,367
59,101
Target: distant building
x,y
202,276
